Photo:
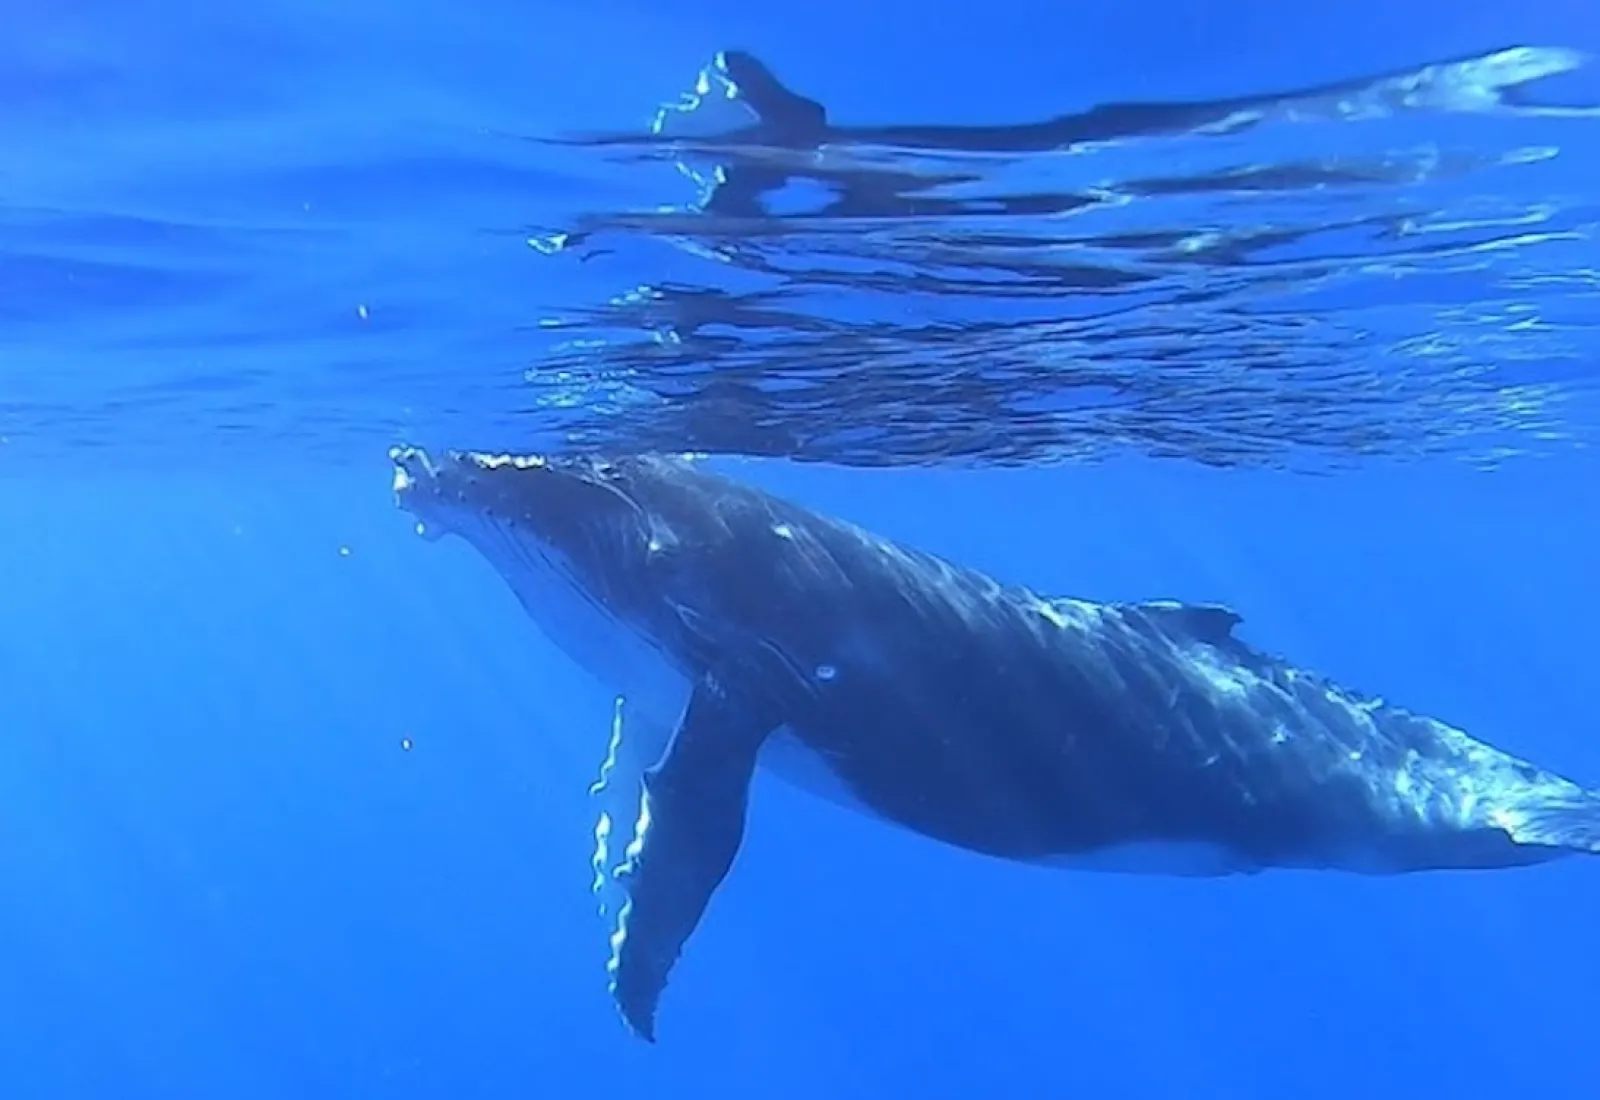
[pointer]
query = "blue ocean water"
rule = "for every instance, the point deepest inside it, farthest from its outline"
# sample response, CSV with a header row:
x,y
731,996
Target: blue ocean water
x,y
292,803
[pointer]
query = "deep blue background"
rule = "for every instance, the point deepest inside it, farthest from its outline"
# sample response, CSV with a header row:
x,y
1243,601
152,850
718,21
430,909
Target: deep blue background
x,y
220,874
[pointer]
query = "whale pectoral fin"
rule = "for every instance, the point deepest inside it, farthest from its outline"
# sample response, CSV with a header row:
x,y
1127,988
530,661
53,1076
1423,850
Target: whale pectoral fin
x,y
691,822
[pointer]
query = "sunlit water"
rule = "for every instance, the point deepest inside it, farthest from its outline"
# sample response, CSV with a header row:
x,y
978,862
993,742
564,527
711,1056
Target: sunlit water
x,y
295,804
1389,266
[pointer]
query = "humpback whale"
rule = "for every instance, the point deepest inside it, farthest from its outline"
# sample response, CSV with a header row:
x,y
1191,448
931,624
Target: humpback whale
x,y
746,631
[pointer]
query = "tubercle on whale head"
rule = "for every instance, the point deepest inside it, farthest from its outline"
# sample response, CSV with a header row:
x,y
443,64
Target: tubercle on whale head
x,y
434,489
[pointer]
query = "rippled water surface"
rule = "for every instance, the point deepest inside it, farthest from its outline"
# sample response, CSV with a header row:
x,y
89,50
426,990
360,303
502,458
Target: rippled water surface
x,y
1389,265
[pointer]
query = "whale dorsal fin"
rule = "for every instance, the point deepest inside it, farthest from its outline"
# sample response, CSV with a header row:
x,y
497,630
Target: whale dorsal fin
x,y
1211,623
691,823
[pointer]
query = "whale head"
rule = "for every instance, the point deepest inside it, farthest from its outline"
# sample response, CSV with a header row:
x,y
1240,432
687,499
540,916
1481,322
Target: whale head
x,y
572,516
609,555
567,534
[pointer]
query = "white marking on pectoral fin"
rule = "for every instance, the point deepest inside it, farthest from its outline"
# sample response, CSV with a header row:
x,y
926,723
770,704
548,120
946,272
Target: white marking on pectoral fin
x,y
609,764
630,855
600,862
634,745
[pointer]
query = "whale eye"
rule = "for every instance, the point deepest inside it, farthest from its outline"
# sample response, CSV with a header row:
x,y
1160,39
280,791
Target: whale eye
x,y
826,674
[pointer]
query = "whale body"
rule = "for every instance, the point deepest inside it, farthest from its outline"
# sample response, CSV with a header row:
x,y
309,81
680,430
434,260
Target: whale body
x,y
746,631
